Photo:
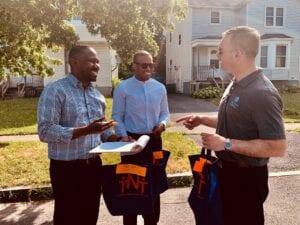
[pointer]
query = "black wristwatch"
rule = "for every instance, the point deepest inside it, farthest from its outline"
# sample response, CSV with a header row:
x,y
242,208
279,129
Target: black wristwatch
x,y
227,144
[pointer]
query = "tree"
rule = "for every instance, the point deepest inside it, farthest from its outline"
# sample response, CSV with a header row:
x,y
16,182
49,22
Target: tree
x,y
132,24
28,29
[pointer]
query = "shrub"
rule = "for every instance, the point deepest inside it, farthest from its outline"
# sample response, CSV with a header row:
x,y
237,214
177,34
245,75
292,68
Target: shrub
x,y
208,92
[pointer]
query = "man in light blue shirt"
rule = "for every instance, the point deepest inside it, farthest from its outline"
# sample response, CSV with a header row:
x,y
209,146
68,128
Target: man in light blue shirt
x,y
70,116
140,107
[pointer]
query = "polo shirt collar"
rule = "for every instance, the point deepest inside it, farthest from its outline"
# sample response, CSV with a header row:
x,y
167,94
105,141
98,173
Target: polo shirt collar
x,y
249,79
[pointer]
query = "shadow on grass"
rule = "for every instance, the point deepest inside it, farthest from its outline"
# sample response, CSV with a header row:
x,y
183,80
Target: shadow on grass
x,y
3,144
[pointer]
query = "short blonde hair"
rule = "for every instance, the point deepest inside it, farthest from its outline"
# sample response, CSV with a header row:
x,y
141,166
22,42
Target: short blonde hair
x,y
244,38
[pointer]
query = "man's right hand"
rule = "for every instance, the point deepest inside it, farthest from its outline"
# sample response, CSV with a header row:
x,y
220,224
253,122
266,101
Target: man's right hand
x,y
98,126
190,121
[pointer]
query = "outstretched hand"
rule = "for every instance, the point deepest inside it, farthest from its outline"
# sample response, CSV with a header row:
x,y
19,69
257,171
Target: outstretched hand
x,y
190,121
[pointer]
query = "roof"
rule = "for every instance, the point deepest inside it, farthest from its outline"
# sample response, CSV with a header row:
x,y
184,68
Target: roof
x,y
210,37
270,36
218,3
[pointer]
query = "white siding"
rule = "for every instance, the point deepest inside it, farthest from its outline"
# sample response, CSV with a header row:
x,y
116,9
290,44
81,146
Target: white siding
x,y
201,22
291,27
181,55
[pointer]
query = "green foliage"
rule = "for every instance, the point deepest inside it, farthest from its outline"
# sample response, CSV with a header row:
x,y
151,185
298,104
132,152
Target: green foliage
x,y
125,71
28,29
115,81
208,92
132,24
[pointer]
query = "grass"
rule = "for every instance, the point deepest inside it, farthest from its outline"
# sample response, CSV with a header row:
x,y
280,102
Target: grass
x,y
291,102
27,163
19,116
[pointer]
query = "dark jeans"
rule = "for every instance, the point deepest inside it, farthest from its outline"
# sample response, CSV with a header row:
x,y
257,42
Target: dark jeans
x,y
149,219
76,189
243,192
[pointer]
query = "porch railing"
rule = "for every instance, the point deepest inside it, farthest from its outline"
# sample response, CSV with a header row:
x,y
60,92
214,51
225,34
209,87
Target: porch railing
x,y
4,84
203,73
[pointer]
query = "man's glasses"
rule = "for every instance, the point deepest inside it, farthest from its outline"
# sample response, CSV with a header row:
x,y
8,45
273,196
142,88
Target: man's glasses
x,y
146,65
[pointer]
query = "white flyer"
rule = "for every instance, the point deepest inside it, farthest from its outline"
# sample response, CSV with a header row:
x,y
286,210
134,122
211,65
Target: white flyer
x,y
134,147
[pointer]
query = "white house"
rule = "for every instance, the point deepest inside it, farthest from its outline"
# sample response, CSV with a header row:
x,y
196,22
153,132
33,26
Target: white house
x,y
107,57
191,48
35,83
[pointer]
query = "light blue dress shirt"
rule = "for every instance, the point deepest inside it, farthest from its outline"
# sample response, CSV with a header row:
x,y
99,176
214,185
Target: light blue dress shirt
x,y
139,106
63,106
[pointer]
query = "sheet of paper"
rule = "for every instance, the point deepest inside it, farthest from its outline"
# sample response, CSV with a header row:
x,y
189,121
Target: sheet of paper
x,y
121,146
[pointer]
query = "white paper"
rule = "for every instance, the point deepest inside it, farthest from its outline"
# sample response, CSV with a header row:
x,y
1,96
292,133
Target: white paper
x,y
135,147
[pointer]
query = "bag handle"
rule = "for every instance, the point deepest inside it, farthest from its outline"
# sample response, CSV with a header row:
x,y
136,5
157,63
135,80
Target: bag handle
x,y
205,152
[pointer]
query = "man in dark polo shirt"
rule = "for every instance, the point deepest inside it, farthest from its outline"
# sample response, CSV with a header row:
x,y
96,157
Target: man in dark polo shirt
x,y
249,129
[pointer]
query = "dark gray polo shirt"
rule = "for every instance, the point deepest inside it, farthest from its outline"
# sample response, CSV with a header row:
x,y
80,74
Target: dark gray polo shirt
x,y
250,109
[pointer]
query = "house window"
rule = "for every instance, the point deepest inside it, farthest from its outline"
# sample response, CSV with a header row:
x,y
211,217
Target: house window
x,y
264,56
171,62
77,18
274,17
170,37
280,56
215,17
179,39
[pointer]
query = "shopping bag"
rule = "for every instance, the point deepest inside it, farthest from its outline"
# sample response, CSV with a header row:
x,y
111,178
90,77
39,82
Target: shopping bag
x,y
204,198
128,189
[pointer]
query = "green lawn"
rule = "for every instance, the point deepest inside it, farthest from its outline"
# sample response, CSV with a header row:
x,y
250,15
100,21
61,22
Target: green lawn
x,y
18,116
26,163
291,103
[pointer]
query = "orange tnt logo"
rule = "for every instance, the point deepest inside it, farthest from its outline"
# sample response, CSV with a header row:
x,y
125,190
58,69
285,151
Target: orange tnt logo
x,y
128,181
201,183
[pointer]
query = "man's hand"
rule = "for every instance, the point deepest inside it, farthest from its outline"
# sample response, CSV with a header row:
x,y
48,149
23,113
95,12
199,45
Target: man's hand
x,y
98,126
190,121
158,129
213,141
127,139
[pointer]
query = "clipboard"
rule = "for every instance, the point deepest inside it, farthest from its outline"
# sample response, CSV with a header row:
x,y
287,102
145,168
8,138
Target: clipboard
x,y
112,147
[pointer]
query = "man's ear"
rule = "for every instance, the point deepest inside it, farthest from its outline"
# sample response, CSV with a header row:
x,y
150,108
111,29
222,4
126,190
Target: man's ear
x,y
133,66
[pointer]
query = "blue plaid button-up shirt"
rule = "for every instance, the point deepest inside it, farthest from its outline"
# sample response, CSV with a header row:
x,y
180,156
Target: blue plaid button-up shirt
x,y
63,106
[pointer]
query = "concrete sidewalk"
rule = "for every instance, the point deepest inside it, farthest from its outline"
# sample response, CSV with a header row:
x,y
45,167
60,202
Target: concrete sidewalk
x,y
281,207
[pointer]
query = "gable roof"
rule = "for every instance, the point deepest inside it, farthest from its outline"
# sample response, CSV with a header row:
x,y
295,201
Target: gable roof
x,y
218,3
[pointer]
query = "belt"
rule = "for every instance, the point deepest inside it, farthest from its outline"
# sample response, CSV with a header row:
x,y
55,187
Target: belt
x,y
89,161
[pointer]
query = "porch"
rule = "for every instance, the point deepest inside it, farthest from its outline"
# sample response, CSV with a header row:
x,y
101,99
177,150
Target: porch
x,y
22,86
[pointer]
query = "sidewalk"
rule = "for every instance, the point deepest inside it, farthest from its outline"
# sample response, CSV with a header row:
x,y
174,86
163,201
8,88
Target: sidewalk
x,y
281,207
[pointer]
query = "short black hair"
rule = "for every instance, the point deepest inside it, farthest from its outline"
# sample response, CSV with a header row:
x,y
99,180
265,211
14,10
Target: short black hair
x,y
78,49
140,53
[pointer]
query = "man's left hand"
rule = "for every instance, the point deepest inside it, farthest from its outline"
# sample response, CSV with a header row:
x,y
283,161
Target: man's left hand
x,y
212,141
158,129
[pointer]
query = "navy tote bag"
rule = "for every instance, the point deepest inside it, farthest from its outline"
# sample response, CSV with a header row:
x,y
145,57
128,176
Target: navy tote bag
x,y
204,198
